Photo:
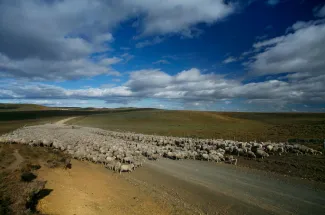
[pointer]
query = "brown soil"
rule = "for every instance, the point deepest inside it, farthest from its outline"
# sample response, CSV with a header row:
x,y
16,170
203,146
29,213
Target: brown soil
x,y
86,188
91,189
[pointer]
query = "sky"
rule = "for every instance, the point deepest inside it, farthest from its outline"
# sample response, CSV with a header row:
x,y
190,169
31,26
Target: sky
x,y
219,55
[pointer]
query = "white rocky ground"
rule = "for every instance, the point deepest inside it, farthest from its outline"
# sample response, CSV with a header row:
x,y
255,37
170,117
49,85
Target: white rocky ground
x,y
124,151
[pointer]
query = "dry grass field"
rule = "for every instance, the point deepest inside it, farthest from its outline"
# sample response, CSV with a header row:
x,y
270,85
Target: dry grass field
x,y
22,107
20,188
238,126
13,116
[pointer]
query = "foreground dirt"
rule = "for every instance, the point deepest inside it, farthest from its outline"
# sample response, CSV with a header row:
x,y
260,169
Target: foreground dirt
x,y
86,188
91,189
20,188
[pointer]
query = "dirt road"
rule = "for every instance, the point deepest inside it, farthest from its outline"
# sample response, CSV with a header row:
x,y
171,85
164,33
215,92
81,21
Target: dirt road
x,y
63,121
18,161
225,189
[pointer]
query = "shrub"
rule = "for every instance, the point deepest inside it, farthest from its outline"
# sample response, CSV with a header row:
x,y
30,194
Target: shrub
x,y
28,176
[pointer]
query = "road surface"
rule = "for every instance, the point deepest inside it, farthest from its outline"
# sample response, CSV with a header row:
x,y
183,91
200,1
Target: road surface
x,y
63,121
226,189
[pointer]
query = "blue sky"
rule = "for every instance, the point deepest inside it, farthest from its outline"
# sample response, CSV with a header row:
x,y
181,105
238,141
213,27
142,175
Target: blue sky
x,y
234,55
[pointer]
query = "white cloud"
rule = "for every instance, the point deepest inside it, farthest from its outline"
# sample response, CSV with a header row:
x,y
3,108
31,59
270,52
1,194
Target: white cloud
x,y
110,61
179,16
145,43
108,37
127,57
192,75
273,2
319,11
139,80
229,60
125,48
302,50
116,80
59,36
187,88
35,68
161,62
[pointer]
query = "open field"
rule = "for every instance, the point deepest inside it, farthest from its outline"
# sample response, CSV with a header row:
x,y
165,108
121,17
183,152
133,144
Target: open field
x,y
22,107
233,126
16,116
10,125
167,186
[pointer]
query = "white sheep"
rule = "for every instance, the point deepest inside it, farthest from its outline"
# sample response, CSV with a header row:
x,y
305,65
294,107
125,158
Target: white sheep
x,y
126,168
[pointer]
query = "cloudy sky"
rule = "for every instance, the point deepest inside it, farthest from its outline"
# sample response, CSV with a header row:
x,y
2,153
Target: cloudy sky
x,y
224,55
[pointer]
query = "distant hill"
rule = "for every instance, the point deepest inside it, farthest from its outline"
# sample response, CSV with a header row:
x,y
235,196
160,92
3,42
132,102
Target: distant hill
x,y
22,107
6,107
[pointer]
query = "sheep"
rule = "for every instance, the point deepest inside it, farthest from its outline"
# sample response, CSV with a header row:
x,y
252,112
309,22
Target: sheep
x,y
137,164
269,148
215,158
67,163
171,155
261,154
108,147
109,159
126,168
251,154
231,160
110,166
153,157
117,166
128,160
205,157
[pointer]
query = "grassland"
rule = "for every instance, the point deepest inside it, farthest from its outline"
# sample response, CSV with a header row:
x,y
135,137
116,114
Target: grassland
x,y
238,126
18,196
301,127
21,107
15,116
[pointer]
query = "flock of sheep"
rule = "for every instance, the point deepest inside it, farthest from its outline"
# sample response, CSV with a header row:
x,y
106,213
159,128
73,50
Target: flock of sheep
x,y
125,151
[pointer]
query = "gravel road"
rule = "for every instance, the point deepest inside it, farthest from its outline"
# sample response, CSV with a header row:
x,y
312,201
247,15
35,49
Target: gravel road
x,y
224,189
63,121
